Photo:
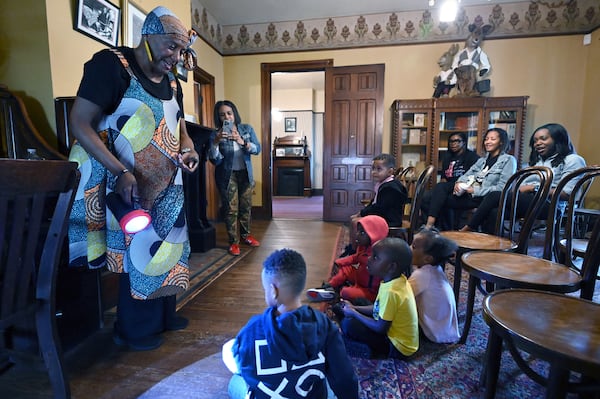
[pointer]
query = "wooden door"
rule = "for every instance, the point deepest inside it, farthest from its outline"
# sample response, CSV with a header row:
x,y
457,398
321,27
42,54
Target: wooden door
x,y
352,137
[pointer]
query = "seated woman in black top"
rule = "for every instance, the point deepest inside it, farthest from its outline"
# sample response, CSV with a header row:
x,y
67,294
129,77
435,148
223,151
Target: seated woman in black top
x,y
455,162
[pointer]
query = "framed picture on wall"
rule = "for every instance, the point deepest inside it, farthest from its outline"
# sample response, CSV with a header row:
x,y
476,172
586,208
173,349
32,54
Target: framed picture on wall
x,y
133,28
290,124
98,19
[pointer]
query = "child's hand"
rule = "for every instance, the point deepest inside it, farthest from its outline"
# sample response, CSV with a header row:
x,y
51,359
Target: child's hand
x,y
347,308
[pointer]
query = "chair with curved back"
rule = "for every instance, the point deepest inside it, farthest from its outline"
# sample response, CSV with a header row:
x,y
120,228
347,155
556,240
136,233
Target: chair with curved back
x,y
512,233
35,202
408,228
519,270
574,243
560,329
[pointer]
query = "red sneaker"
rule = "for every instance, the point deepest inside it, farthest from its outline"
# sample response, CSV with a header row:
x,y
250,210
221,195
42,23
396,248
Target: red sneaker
x,y
249,240
234,249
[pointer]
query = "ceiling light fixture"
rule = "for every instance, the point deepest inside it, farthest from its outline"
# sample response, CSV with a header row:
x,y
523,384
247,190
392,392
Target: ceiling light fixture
x,y
448,11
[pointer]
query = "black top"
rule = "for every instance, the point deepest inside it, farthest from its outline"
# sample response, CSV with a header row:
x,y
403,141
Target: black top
x,y
391,198
105,80
454,166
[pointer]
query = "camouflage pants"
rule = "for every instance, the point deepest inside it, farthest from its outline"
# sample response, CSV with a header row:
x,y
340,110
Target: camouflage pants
x,y
237,206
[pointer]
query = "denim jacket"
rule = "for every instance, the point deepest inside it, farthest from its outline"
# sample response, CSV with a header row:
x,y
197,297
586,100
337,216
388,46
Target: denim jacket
x,y
222,155
495,179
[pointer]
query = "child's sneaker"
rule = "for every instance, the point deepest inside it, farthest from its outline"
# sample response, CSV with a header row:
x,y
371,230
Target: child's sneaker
x,y
325,293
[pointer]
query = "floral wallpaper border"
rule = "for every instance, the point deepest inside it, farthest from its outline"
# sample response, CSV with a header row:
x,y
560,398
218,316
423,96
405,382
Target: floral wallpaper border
x,y
519,19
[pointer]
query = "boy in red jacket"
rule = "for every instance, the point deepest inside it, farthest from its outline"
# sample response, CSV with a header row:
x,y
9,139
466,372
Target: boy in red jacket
x,y
352,279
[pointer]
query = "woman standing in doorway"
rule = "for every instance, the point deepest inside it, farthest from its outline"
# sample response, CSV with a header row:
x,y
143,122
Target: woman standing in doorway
x,y
230,152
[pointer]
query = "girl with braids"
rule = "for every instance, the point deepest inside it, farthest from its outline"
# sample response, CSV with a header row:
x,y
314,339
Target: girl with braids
x,y
436,306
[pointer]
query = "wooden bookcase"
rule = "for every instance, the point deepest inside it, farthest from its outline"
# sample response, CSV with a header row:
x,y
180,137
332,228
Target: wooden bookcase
x,y
444,116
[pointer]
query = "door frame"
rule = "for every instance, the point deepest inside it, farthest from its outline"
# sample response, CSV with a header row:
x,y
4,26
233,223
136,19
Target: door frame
x,y
265,211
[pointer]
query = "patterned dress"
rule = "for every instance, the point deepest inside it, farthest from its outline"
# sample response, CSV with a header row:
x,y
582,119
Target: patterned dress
x,y
143,133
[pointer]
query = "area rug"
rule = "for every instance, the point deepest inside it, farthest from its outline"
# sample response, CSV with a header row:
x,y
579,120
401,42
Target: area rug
x,y
436,371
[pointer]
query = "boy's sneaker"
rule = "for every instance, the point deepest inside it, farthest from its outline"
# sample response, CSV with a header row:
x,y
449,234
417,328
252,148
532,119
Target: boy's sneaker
x,y
234,249
320,294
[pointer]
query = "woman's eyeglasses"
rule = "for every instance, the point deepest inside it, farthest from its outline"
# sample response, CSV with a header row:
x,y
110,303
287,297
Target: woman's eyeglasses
x,y
454,141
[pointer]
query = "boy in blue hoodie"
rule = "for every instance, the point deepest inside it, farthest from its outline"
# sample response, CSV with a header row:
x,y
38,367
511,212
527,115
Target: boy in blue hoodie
x,y
290,349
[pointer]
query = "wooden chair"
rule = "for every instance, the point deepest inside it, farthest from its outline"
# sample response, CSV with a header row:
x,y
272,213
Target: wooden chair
x,y
559,329
35,202
512,270
512,233
408,228
574,243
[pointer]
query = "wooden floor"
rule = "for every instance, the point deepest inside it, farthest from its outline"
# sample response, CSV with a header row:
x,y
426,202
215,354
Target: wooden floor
x,y
101,370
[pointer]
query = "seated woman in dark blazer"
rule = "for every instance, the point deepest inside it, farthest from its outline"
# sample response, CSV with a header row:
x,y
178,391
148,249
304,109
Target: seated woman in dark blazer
x,y
490,173
455,162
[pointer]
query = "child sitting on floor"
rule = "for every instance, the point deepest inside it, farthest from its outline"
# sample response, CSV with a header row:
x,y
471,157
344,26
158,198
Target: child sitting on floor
x,y
435,299
390,326
291,350
352,279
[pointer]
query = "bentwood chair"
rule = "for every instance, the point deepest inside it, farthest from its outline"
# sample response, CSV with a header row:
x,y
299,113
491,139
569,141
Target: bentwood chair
x,y
574,243
408,228
558,329
512,233
517,270
35,202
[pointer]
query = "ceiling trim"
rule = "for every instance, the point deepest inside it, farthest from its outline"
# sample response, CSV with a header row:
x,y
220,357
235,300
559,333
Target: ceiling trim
x,y
509,20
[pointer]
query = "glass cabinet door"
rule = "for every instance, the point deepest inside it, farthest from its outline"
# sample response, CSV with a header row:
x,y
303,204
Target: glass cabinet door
x,y
414,139
508,113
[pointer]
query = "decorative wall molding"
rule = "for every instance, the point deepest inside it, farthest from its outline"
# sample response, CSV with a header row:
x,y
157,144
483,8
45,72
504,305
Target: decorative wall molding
x,y
510,20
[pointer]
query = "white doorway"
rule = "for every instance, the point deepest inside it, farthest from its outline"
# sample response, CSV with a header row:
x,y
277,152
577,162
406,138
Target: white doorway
x,y
300,96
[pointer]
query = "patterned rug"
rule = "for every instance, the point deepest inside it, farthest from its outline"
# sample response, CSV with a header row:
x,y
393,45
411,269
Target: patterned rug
x,y
436,371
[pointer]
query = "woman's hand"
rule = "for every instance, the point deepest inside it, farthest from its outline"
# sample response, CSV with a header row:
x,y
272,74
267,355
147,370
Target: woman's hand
x,y
189,161
235,136
126,187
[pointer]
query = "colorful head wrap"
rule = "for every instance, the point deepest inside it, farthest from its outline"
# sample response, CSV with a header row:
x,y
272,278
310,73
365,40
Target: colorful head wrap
x,y
161,21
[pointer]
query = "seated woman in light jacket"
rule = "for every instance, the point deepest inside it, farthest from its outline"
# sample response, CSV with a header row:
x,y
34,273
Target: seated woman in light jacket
x,y
550,146
489,174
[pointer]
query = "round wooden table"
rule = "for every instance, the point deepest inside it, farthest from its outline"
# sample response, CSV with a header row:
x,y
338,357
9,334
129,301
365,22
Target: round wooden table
x,y
470,241
512,270
562,330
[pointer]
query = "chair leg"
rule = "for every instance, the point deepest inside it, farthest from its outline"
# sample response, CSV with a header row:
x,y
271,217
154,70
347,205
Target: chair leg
x,y
51,351
491,368
470,304
558,381
457,278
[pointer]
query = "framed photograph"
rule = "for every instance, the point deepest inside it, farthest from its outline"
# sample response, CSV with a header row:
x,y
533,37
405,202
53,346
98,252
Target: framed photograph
x,y
133,28
98,19
290,124
182,73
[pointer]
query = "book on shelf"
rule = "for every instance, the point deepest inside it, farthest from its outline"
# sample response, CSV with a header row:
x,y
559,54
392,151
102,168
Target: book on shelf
x,y
410,159
414,136
419,120
404,136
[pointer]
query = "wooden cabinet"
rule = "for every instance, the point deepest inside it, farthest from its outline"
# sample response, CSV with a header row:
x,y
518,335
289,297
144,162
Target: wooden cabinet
x,y
443,117
291,167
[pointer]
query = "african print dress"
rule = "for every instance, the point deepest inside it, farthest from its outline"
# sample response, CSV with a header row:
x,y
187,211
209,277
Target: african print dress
x,y
143,133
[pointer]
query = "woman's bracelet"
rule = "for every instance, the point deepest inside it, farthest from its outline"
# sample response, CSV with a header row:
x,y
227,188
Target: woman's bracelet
x,y
185,150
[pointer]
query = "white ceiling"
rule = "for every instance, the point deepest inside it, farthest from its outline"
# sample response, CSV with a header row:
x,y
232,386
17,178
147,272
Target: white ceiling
x,y
238,12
